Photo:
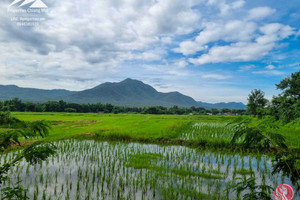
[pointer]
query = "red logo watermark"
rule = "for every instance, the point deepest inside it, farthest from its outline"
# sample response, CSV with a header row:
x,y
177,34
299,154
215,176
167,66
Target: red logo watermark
x,y
284,192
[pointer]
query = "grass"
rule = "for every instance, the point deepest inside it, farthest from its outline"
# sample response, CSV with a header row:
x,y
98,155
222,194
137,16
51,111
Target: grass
x,y
189,130
134,125
151,161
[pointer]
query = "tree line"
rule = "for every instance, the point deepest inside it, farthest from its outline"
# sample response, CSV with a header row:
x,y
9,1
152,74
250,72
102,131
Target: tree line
x,y
284,107
62,106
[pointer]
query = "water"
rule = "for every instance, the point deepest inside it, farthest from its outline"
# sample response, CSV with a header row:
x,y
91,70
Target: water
x,y
101,170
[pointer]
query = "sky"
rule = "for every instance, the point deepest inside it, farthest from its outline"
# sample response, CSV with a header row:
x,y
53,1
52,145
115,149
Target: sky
x,y
211,50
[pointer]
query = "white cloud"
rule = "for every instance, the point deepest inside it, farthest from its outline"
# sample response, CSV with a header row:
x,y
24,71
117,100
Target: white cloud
x,y
224,7
182,63
166,40
214,31
233,53
260,13
269,72
279,30
84,45
270,67
230,31
189,47
168,16
216,76
238,4
247,51
150,55
246,67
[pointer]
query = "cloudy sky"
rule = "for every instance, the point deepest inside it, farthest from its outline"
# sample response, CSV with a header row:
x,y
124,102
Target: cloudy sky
x,y
211,50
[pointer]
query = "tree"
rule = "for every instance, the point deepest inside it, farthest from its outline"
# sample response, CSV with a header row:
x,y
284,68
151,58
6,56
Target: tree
x,y
30,107
215,111
152,110
290,86
70,110
34,153
14,105
52,106
225,110
286,106
108,108
256,102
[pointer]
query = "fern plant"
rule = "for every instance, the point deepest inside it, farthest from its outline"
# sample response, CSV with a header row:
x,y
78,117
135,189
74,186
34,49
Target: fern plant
x,y
249,185
34,153
261,137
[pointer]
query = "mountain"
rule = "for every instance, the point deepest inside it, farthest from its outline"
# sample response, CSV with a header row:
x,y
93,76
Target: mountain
x,y
29,94
229,105
126,93
130,93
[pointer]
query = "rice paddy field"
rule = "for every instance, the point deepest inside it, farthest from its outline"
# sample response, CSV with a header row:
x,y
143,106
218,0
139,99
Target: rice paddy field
x,y
196,129
137,157
100,170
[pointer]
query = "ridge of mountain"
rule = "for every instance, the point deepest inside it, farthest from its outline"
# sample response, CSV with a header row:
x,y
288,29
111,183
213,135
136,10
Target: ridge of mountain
x,y
128,92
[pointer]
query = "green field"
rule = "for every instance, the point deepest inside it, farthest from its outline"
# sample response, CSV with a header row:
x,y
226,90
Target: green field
x,y
196,130
141,157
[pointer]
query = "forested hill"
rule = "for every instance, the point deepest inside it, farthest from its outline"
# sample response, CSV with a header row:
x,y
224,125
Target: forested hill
x,y
8,92
125,93
129,92
229,105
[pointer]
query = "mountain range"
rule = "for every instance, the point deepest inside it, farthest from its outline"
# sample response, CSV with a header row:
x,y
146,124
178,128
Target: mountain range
x,y
229,105
129,92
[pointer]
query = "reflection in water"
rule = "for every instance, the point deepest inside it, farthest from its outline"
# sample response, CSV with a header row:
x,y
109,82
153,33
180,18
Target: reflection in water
x,y
101,170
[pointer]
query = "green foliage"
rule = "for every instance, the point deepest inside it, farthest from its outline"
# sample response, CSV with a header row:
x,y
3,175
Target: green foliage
x,y
36,152
151,161
258,136
62,106
7,119
71,110
33,153
290,86
37,128
284,107
288,162
253,191
14,193
256,102
9,138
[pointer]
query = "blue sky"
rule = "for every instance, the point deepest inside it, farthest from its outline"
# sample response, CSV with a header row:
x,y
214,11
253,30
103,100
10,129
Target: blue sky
x,y
213,51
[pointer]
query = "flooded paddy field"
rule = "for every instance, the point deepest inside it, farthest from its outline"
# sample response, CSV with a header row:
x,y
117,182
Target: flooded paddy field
x,y
87,169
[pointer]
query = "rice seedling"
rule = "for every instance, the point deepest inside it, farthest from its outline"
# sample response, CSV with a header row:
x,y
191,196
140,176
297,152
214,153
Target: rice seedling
x,y
208,131
100,170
